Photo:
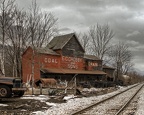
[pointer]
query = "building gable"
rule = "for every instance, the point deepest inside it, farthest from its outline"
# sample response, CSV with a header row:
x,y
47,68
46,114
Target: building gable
x,y
28,52
59,42
73,48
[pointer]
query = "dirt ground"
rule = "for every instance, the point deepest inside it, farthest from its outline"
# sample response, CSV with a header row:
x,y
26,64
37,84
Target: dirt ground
x,y
19,106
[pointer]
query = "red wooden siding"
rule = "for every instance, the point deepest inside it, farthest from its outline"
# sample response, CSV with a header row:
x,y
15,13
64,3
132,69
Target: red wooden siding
x,y
52,61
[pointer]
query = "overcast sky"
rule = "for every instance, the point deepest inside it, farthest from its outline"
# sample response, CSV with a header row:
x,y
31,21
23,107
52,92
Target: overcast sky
x,y
125,17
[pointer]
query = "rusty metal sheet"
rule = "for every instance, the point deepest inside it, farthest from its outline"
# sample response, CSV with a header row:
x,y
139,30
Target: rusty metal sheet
x,y
58,42
91,57
108,67
72,71
52,70
46,51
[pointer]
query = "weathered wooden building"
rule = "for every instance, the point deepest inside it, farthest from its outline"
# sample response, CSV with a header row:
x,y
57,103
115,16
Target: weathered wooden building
x,y
110,72
62,58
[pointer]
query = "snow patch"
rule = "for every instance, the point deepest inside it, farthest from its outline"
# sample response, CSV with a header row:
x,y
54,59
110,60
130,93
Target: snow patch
x,y
140,107
69,97
40,97
3,105
50,104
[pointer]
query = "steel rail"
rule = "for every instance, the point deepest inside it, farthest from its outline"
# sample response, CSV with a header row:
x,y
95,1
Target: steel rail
x,y
101,101
131,98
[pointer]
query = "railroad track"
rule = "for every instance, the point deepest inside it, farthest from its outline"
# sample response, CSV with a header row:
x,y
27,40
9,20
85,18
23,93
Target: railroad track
x,y
130,99
116,111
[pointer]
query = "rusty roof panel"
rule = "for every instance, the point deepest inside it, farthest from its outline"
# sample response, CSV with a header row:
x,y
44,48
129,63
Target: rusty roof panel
x,y
48,80
109,75
91,57
107,67
72,71
58,42
46,51
52,70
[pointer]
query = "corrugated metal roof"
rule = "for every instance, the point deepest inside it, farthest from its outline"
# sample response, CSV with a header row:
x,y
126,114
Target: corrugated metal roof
x,y
72,71
109,75
46,51
91,57
59,42
107,67
46,81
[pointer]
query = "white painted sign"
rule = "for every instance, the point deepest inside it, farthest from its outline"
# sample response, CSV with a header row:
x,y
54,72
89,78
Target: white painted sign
x,y
50,60
93,64
72,62
71,59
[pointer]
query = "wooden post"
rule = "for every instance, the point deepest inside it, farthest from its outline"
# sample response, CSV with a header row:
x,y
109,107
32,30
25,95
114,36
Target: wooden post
x,y
65,86
40,89
75,86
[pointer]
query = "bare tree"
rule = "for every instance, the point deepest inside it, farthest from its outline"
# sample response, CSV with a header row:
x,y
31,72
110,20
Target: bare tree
x,y
33,28
100,37
135,77
42,26
17,38
7,8
84,40
127,66
121,58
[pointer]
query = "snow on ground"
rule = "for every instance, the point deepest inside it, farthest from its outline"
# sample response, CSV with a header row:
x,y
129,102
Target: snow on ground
x,y
69,97
3,105
42,98
140,107
50,104
73,104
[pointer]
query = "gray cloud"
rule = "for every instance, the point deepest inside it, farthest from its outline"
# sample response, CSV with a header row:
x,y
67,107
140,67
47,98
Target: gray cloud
x,y
125,17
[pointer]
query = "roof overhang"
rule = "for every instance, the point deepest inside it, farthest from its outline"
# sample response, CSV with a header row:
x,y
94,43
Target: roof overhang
x,y
72,71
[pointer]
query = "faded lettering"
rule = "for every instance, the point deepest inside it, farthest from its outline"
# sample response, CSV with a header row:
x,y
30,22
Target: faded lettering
x,y
50,60
72,62
93,64
71,59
